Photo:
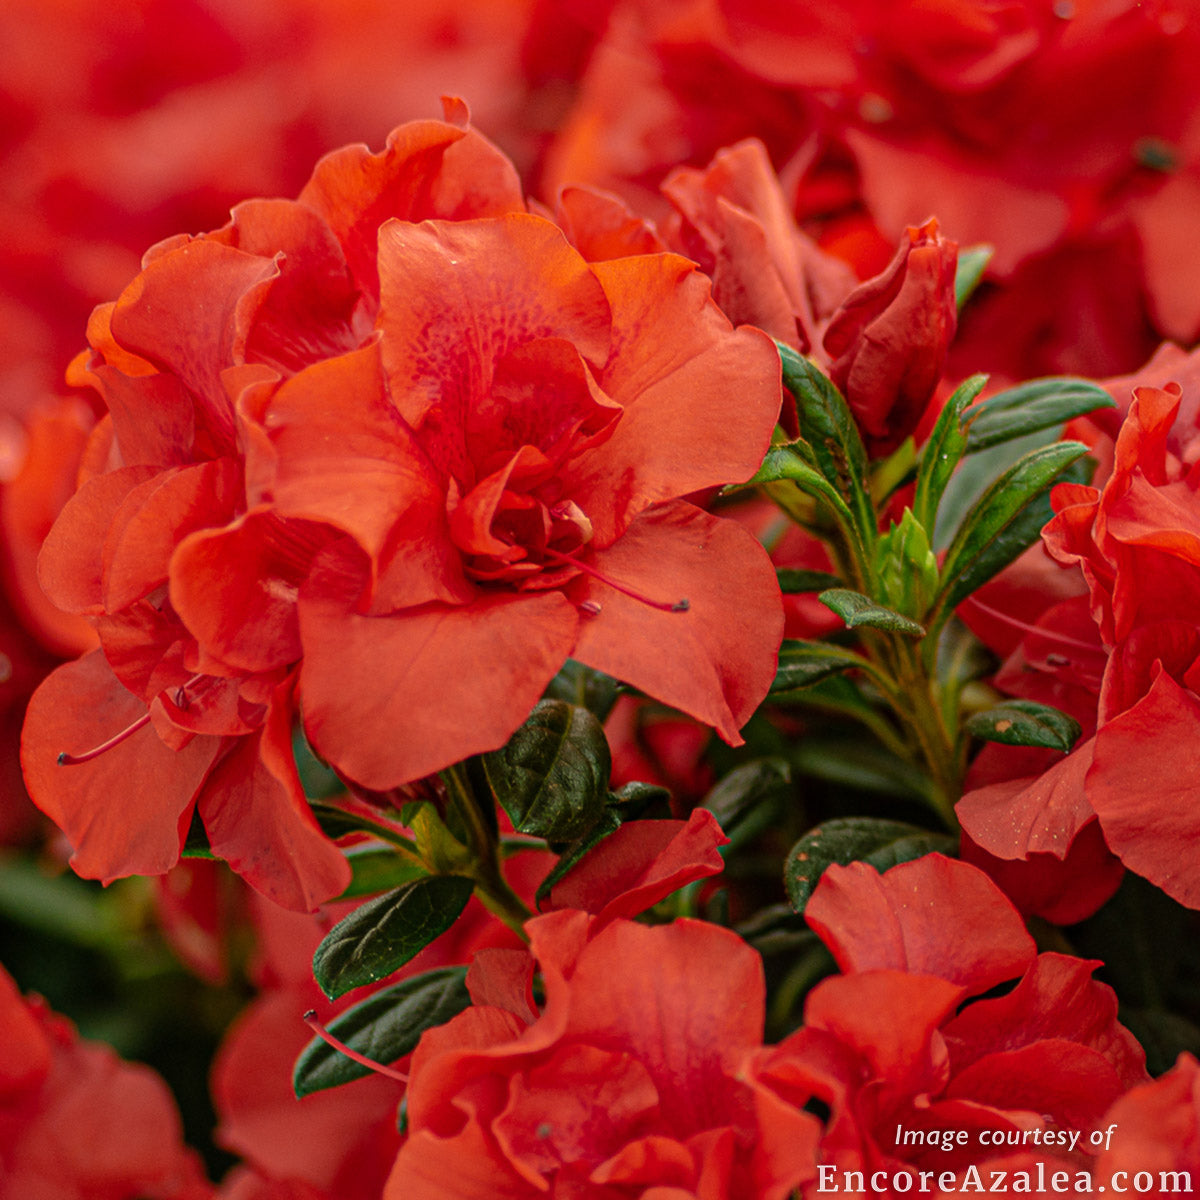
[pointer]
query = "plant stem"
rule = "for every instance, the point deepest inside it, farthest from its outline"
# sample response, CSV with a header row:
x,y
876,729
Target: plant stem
x,y
491,887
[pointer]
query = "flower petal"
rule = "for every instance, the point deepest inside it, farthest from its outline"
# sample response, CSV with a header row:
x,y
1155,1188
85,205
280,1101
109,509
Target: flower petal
x,y
446,318
258,820
390,699
701,399
933,916
715,661
122,812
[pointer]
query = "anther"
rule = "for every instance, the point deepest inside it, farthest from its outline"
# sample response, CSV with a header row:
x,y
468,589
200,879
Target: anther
x,y
590,607
73,760
661,605
310,1019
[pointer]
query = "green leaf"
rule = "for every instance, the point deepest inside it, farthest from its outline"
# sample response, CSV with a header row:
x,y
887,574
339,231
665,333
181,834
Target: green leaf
x,y
1026,723
610,821
972,262
850,761
789,462
1005,521
844,840
801,664
383,934
749,798
828,426
585,686
1039,404
856,609
943,452
642,801
795,582
375,869
384,1027
337,822
552,776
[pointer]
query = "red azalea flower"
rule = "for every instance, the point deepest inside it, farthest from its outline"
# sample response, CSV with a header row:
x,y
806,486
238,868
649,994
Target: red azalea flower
x,y
171,547
625,1082
893,1044
75,1121
508,456
1137,541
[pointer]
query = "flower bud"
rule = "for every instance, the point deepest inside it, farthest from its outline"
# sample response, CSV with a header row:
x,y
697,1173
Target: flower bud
x,y
887,342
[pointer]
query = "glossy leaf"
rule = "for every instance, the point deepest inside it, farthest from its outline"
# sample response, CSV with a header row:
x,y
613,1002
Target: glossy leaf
x,y
585,686
972,263
382,935
1005,521
1039,404
845,840
856,609
790,462
749,798
794,581
552,775
801,664
827,425
1026,723
852,761
375,869
943,452
384,1027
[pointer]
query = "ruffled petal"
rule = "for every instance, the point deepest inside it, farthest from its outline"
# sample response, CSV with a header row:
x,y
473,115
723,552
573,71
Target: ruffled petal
x,y
715,661
390,699
701,399
125,811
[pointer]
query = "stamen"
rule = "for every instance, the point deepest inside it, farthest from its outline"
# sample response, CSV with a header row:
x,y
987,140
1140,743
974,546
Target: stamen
x,y
310,1019
1051,635
662,606
590,607
73,760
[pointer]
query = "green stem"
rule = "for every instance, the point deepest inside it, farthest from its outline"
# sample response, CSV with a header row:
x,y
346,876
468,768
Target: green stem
x,y
923,715
491,887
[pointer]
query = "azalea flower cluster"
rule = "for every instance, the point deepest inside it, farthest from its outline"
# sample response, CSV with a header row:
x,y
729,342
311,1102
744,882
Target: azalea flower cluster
x,y
570,629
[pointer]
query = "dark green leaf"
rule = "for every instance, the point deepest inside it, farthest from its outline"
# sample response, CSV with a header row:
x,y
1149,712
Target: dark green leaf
x,y
827,425
337,822
750,797
384,1027
1026,723
972,262
1039,404
795,582
1005,521
552,776
642,801
383,934
592,689
375,869
801,664
943,452
856,609
609,823
844,840
850,761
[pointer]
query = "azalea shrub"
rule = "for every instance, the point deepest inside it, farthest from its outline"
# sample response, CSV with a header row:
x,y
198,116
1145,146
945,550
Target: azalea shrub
x,y
602,693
